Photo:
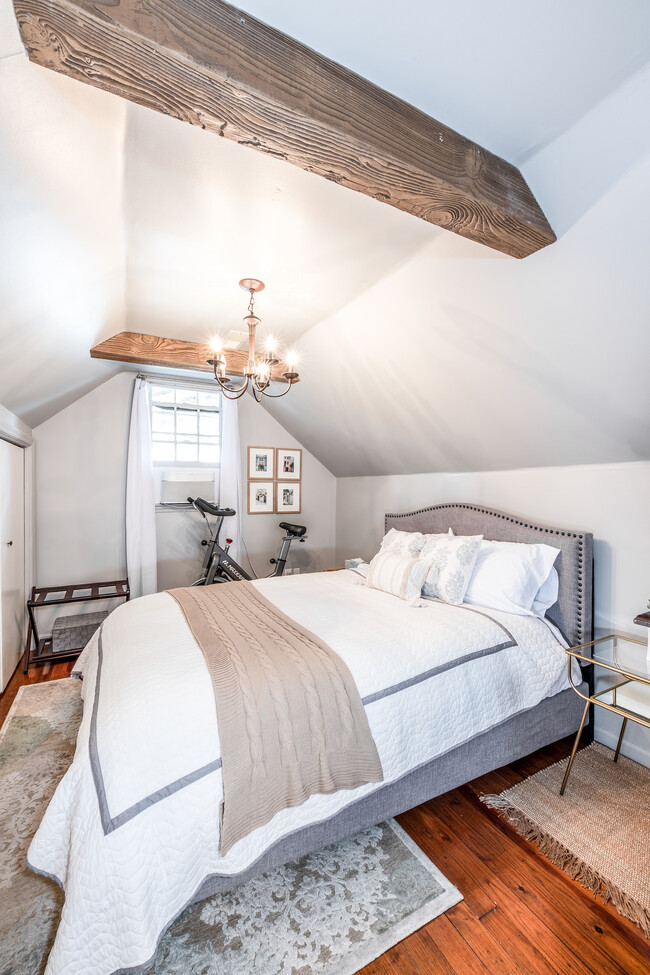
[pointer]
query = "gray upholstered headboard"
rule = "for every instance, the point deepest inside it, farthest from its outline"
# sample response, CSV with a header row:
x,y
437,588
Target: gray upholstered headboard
x,y
572,613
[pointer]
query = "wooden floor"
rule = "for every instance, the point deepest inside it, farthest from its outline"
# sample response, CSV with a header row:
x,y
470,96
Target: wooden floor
x,y
520,916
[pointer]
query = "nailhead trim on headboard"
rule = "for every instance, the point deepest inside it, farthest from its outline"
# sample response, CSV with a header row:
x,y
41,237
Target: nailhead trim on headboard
x,y
582,610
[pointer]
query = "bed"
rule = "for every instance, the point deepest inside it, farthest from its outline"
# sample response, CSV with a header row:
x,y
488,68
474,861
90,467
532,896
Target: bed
x,y
132,832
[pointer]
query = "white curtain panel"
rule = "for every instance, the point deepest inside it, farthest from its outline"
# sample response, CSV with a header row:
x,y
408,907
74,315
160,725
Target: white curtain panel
x,y
230,490
140,498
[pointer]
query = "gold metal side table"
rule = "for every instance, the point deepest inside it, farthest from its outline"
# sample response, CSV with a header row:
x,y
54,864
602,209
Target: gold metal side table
x,y
617,656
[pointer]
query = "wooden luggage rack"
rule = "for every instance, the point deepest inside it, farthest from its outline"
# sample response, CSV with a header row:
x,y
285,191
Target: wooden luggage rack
x,y
82,626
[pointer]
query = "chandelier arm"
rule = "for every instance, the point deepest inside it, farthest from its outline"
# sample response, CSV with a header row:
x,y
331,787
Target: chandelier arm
x,y
229,392
233,396
278,395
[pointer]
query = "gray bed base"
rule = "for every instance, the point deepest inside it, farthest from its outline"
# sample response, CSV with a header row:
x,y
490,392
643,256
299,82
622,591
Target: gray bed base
x,y
552,719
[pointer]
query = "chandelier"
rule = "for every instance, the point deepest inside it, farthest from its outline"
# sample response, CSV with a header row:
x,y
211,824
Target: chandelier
x,y
259,371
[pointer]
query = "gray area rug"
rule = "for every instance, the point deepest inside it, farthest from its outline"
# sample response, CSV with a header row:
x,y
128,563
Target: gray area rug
x,y
329,913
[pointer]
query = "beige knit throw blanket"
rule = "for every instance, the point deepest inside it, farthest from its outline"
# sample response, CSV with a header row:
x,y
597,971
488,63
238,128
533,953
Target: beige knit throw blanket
x,y
291,722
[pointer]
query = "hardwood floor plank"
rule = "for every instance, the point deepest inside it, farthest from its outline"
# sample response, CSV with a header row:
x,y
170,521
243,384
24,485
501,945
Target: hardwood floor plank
x,y
374,968
571,912
507,931
481,940
560,956
461,957
398,961
427,955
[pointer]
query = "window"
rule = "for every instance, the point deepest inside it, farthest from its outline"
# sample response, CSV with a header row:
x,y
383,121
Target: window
x,y
185,426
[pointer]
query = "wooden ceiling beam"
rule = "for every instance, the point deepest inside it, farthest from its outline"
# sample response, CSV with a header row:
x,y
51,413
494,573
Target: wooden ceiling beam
x,y
153,350
212,65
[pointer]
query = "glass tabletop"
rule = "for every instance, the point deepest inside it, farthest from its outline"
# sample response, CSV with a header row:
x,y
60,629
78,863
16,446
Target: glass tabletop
x,y
622,655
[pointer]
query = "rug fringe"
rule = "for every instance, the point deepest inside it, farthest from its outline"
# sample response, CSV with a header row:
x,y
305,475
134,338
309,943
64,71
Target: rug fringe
x,y
571,864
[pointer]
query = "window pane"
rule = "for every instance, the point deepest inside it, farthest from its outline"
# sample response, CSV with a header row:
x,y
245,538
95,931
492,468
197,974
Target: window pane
x,y
209,424
186,421
162,394
209,399
186,451
162,421
209,453
186,396
163,451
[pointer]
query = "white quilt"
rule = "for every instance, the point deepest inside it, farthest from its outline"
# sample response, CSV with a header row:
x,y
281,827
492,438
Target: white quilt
x,y
132,829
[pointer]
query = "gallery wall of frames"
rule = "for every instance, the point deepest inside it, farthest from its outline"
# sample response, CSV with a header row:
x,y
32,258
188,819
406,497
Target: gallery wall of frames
x,y
274,480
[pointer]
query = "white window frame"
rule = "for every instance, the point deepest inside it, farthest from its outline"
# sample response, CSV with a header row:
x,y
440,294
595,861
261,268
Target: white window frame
x,y
178,466
185,384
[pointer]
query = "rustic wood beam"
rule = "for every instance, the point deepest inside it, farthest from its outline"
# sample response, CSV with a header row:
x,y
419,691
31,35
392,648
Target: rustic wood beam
x,y
152,350
210,64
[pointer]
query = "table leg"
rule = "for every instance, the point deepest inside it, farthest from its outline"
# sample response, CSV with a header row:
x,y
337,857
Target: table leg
x,y
574,749
620,740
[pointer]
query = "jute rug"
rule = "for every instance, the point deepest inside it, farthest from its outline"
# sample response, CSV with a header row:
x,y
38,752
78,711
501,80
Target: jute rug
x,y
598,831
330,913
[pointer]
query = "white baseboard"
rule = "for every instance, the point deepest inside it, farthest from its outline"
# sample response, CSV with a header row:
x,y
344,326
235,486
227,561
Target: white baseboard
x,y
639,753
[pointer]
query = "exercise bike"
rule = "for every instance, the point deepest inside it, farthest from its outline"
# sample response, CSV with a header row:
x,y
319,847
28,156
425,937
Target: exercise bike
x,y
218,565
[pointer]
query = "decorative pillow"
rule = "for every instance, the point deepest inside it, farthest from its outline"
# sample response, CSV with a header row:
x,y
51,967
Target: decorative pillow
x,y
452,561
402,543
397,574
508,575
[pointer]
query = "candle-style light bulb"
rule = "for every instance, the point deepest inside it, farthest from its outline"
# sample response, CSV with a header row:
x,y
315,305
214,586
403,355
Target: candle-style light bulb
x,y
271,344
215,344
292,359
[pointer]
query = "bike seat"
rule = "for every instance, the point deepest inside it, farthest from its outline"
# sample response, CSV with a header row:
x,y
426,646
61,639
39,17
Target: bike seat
x,y
296,530
211,509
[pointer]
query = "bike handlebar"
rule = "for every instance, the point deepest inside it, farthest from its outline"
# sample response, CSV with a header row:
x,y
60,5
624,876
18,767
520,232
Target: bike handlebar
x,y
211,509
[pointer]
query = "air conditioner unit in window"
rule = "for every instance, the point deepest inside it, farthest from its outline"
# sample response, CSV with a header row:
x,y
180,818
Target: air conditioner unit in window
x,y
177,485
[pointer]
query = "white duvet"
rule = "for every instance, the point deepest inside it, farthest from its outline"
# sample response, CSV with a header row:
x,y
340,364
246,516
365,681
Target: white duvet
x,y
132,829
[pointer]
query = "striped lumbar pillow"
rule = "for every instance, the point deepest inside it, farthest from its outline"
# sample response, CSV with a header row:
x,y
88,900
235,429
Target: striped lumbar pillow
x,y
398,574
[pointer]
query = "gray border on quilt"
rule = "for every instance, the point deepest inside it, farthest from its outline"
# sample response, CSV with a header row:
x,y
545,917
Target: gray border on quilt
x,y
111,823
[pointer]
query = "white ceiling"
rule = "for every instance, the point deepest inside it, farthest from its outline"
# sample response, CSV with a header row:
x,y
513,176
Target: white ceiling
x,y
202,213
509,75
115,217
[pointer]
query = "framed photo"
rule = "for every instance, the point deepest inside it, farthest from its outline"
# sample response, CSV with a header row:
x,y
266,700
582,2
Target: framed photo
x,y
288,464
260,463
261,497
287,499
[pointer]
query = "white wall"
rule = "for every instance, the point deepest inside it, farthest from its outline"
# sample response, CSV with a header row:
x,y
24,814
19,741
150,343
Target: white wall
x,y
80,497
80,459
612,501
61,248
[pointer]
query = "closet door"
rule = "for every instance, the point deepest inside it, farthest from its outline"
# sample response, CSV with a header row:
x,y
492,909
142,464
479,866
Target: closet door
x,y
12,558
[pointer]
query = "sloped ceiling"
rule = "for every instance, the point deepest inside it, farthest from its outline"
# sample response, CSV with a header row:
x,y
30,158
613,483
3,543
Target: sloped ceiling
x,y
420,351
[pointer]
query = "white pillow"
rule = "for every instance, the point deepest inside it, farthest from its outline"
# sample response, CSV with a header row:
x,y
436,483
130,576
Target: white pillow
x,y
452,561
397,574
402,543
546,594
508,575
